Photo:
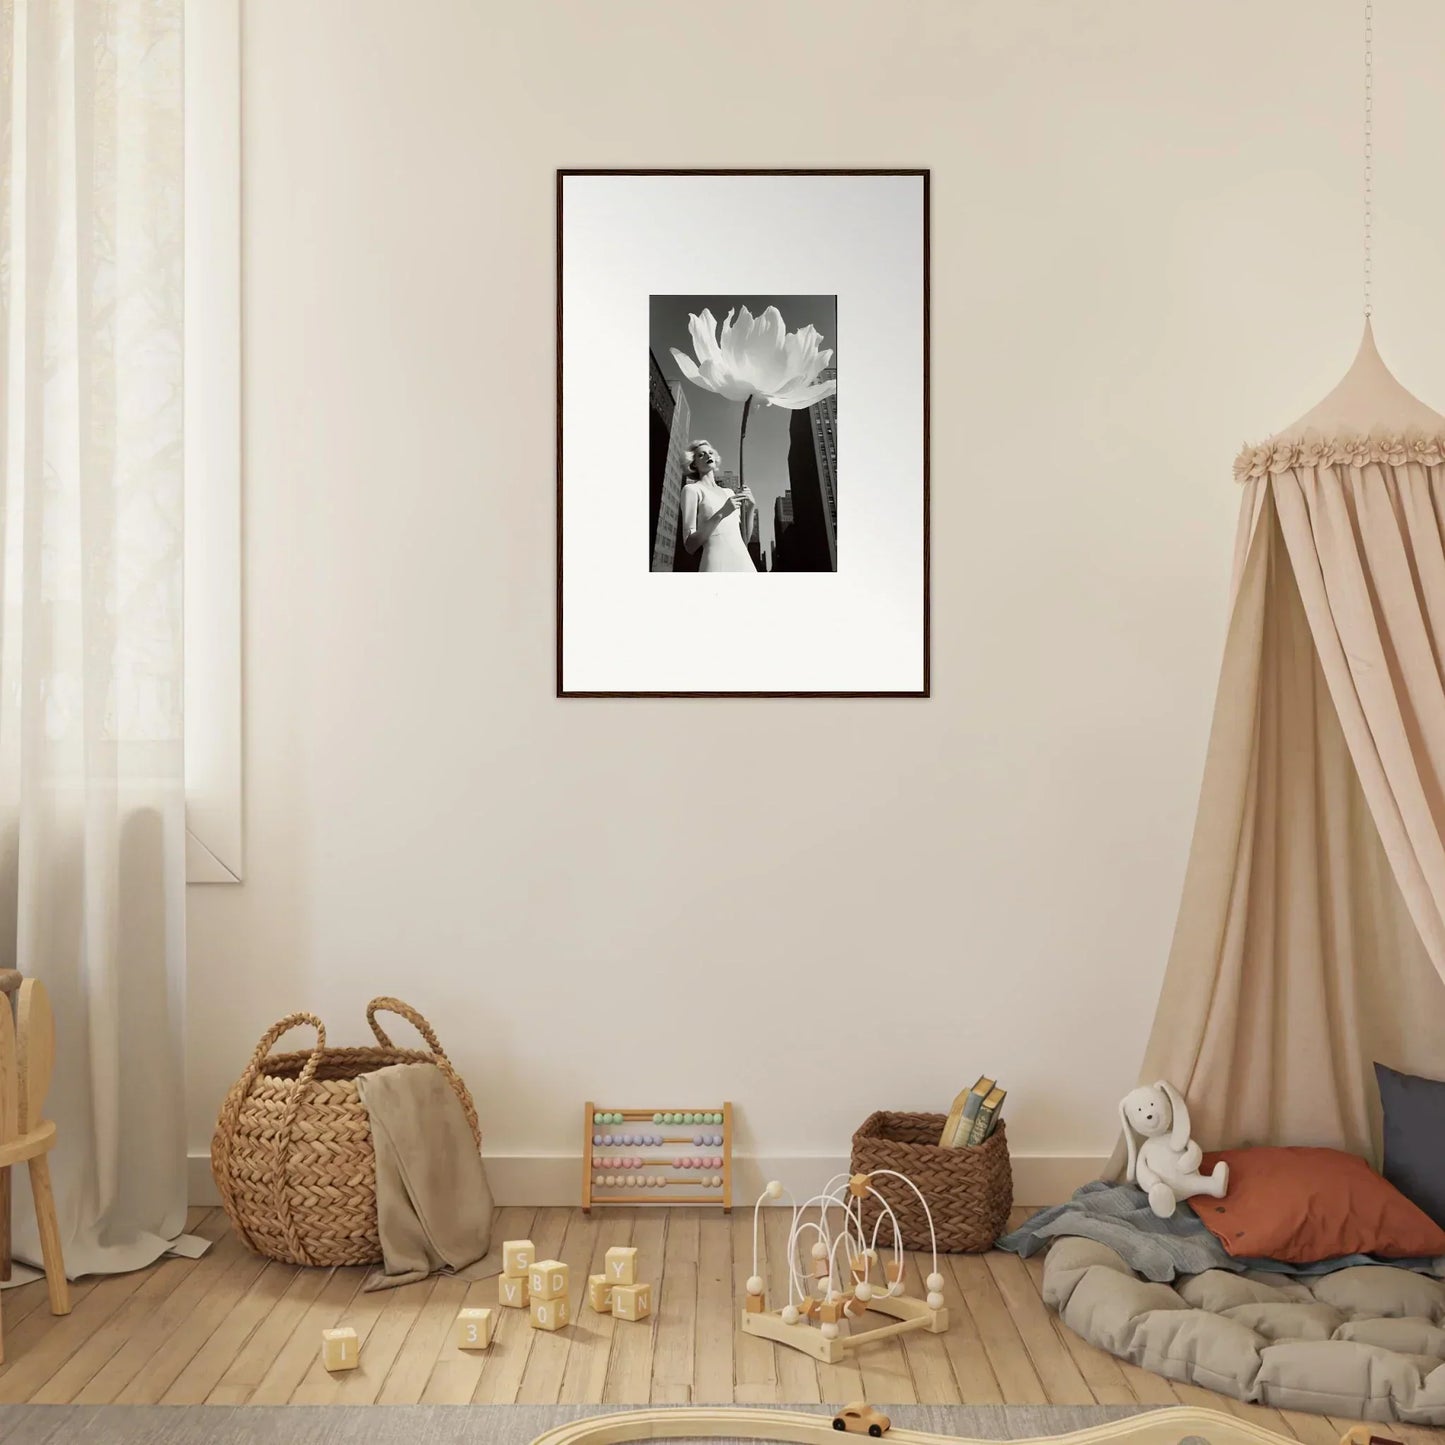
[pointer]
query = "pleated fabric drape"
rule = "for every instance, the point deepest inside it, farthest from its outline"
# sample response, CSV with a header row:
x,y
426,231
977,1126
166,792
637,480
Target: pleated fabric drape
x,y
92,800
1310,939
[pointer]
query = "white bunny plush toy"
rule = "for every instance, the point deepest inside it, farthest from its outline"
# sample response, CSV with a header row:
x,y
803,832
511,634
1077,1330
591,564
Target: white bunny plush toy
x,y
1166,1164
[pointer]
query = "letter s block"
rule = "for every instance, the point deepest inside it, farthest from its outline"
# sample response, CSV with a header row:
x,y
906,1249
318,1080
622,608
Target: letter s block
x,y
518,1256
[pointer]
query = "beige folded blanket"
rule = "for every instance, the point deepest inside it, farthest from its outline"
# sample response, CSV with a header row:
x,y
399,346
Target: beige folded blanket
x,y
433,1206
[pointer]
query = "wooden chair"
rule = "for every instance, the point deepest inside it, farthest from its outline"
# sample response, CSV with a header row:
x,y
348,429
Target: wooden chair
x,y
27,1060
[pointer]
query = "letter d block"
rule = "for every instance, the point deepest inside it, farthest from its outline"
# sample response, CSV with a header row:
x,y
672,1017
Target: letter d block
x,y
631,1301
599,1293
474,1329
518,1256
548,1279
340,1349
549,1314
621,1261
512,1293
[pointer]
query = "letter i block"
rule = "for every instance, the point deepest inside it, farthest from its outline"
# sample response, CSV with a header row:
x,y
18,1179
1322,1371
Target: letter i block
x,y
518,1256
474,1329
340,1349
548,1279
512,1293
549,1314
599,1293
631,1301
621,1261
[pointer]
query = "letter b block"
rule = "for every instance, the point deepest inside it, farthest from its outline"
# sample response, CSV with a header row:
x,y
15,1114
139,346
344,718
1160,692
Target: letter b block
x,y
512,1293
340,1349
548,1279
518,1256
631,1301
549,1314
599,1293
621,1263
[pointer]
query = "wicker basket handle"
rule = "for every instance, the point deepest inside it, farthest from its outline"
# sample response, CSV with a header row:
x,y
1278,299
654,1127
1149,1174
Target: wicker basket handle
x,y
232,1114
406,1011
459,1088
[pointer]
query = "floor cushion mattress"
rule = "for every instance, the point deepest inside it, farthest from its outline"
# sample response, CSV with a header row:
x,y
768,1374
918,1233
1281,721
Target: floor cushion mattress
x,y
1366,1342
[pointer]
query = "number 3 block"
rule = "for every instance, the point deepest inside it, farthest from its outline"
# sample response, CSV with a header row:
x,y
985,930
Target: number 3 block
x,y
474,1329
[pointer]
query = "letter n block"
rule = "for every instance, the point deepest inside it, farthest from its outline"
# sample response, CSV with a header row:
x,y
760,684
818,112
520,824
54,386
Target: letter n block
x,y
631,1301
599,1293
340,1349
621,1262
512,1293
549,1314
474,1329
548,1279
518,1256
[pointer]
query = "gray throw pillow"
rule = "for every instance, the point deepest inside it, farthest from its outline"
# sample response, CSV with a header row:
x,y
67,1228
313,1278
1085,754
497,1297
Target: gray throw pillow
x,y
1415,1138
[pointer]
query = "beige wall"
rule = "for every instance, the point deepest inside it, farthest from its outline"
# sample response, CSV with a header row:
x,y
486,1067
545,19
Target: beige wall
x,y
1145,249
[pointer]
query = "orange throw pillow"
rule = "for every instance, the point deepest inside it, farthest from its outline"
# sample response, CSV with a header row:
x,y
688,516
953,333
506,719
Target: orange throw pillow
x,y
1303,1205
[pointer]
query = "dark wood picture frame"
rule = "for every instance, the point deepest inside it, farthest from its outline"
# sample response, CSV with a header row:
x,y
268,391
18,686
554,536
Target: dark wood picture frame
x,y
925,175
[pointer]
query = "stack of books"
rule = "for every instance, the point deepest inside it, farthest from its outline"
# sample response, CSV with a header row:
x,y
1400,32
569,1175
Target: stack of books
x,y
974,1116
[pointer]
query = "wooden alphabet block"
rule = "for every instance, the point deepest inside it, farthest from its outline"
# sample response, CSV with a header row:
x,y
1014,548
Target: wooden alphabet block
x,y
548,1279
518,1256
512,1293
549,1314
632,1301
599,1293
340,1349
621,1261
474,1329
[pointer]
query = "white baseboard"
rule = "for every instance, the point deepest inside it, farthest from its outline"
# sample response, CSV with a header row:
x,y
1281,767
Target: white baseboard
x,y
552,1179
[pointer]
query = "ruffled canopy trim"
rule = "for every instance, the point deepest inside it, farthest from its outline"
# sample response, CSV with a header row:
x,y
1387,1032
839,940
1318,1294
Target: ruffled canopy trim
x,y
1392,449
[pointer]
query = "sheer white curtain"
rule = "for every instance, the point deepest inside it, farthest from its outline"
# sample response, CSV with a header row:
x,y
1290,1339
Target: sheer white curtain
x,y
92,823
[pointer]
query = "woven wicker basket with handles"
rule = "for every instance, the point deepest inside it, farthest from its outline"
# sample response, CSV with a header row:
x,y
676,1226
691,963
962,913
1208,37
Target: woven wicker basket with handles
x,y
292,1153
969,1190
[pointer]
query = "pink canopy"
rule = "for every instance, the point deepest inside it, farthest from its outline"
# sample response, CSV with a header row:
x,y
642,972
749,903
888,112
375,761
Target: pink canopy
x,y
1310,940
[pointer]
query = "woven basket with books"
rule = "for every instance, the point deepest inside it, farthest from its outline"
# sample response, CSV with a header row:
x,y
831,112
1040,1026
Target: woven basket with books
x,y
969,1189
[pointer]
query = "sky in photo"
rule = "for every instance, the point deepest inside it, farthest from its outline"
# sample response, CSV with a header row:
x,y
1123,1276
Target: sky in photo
x,y
716,419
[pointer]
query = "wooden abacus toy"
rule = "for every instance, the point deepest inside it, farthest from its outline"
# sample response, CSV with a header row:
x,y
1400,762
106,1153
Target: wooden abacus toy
x,y
813,1324
687,1158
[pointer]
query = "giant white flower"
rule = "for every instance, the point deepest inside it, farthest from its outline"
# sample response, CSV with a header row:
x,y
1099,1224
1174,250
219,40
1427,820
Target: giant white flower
x,y
758,357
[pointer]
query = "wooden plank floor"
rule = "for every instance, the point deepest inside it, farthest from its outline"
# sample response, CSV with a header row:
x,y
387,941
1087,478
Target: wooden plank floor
x,y
232,1329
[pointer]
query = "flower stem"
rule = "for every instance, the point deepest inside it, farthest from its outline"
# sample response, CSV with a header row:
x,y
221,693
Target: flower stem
x,y
742,437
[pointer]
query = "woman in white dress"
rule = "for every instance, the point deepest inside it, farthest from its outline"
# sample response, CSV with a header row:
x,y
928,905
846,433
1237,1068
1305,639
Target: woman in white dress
x,y
716,521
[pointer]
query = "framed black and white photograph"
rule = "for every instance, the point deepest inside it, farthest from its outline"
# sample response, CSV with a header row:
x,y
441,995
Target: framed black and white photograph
x,y
755,521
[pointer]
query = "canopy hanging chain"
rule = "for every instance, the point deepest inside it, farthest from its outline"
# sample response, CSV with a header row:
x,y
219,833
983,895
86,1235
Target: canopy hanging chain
x,y
1369,156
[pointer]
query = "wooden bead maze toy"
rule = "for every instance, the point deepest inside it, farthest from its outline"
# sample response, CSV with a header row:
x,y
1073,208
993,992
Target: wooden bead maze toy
x,y
818,1304
657,1156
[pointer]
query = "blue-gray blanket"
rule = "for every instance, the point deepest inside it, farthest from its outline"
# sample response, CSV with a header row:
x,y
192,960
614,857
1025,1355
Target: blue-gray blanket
x,y
1159,1249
